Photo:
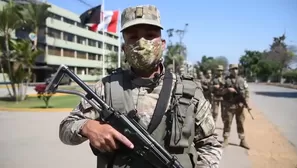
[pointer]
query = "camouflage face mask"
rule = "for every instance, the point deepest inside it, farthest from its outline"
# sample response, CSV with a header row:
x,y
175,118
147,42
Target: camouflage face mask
x,y
144,54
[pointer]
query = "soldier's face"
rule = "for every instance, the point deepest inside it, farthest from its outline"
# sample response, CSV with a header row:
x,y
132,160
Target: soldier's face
x,y
234,71
148,32
220,72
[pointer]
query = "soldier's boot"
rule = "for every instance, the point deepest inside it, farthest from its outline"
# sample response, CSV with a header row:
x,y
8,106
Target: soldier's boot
x,y
225,142
244,144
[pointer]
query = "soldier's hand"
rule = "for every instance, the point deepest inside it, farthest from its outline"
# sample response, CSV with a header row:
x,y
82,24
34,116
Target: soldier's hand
x,y
232,90
216,86
103,136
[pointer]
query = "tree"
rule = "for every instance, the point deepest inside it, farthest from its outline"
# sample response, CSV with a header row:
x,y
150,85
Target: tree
x,y
24,59
280,53
249,62
172,56
11,19
35,15
222,60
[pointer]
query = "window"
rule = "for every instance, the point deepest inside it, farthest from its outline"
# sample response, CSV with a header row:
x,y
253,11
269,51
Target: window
x,y
54,33
115,48
68,53
41,34
108,46
91,56
108,35
100,57
55,16
54,50
80,70
80,40
69,21
100,44
80,25
71,68
68,36
92,42
81,55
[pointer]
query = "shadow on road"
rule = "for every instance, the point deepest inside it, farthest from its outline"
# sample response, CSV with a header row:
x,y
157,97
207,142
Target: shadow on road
x,y
278,94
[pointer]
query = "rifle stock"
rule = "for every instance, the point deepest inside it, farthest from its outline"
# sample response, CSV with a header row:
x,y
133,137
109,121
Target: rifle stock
x,y
145,147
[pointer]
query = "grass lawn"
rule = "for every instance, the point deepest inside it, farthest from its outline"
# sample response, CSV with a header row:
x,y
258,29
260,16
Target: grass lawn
x,y
67,101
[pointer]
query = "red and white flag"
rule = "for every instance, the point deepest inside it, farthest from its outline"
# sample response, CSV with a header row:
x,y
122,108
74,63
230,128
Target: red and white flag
x,y
109,24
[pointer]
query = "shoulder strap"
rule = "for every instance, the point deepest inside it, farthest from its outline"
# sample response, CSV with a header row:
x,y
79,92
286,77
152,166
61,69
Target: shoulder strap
x,y
120,100
162,102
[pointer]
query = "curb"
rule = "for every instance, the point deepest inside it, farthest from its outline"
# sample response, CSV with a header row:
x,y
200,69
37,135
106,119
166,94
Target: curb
x,y
41,110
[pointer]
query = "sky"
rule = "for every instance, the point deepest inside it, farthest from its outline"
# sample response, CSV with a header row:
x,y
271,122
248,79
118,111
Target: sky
x,y
215,28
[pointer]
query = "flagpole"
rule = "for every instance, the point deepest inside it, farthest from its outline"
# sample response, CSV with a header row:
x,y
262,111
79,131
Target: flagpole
x,y
103,40
119,40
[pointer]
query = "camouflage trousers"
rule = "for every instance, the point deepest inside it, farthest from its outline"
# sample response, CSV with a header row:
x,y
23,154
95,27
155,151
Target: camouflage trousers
x,y
216,108
228,113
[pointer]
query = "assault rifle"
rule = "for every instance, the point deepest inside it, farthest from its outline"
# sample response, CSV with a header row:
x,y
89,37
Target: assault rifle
x,y
145,146
245,104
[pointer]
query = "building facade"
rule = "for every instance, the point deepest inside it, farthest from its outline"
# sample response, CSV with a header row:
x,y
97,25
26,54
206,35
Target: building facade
x,y
66,41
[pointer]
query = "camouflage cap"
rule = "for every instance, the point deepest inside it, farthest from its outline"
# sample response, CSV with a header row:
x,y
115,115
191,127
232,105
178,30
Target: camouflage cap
x,y
232,66
220,67
144,14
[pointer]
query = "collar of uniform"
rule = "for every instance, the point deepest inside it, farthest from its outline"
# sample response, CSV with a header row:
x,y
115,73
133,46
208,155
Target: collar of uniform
x,y
148,82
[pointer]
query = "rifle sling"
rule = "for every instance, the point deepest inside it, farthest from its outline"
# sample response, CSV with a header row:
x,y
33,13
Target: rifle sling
x,y
162,102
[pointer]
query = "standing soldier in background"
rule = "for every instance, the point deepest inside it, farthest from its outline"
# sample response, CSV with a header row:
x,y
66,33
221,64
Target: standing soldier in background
x,y
235,86
200,76
206,83
217,85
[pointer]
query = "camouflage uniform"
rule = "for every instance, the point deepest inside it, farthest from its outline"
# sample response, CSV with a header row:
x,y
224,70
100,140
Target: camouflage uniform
x,y
217,98
206,83
232,106
143,95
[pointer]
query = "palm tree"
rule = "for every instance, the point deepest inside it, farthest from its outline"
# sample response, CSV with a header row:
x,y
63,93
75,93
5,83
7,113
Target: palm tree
x,y
11,19
24,59
35,15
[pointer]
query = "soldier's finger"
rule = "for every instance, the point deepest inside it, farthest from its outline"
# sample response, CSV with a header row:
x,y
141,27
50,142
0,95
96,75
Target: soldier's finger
x,y
106,148
111,143
123,139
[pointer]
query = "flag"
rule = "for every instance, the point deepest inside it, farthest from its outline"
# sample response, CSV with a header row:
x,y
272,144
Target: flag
x,y
91,16
109,24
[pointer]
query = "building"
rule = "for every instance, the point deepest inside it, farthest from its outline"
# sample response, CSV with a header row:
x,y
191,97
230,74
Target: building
x,y
66,41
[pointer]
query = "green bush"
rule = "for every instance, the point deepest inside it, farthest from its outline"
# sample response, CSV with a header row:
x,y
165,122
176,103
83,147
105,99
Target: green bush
x,y
290,76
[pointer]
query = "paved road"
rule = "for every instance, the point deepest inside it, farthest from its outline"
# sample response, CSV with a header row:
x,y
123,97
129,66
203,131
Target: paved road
x,y
279,105
30,140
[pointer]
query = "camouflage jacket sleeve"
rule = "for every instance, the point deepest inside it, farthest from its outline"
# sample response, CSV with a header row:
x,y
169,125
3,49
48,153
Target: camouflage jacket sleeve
x,y
208,147
71,126
243,87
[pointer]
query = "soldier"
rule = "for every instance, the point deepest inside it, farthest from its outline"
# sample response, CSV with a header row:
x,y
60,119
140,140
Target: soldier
x,y
141,88
206,83
200,76
234,85
217,84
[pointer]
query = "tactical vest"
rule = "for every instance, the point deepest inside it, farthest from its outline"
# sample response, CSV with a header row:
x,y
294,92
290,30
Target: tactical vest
x,y
177,129
232,97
